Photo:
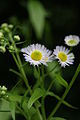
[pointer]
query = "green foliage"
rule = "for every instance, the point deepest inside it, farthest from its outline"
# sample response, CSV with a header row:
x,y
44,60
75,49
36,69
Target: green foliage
x,y
53,69
61,80
57,118
4,110
37,15
36,74
29,112
35,96
58,98
12,106
35,117
25,98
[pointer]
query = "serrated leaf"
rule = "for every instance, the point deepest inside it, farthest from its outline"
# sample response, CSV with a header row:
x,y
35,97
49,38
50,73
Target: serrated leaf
x,y
37,15
35,96
61,80
64,102
12,106
57,118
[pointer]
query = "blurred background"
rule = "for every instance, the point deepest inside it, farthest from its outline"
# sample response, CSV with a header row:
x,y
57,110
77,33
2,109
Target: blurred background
x,y
46,22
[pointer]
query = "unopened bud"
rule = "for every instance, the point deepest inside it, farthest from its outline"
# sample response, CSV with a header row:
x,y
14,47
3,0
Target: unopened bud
x,y
2,49
3,92
4,25
10,26
11,48
16,38
4,88
1,35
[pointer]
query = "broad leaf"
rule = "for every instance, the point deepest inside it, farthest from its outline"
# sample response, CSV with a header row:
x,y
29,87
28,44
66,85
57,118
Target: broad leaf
x,y
37,15
35,96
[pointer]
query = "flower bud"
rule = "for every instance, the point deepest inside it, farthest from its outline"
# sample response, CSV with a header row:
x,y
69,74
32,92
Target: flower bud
x,y
2,49
3,92
4,88
4,25
1,35
16,38
11,48
10,26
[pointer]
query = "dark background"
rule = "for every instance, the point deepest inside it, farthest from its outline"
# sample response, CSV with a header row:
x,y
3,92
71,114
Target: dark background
x,y
64,20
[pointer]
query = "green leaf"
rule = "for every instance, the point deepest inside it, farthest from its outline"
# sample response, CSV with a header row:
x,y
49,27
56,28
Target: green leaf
x,y
4,110
29,112
64,102
15,72
35,96
57,118
52,69
37,15
61,80
12,106
36,74
15,98
36,117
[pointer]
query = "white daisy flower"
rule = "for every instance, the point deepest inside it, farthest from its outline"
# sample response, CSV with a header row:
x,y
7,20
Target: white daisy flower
x,y
72,40
37,54
63,55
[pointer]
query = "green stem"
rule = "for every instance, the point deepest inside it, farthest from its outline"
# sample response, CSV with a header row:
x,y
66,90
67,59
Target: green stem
x,y
19,64
22,112
15,72
16,85
65,93
43,98
50,86
42,76
39,114
43,108
38,80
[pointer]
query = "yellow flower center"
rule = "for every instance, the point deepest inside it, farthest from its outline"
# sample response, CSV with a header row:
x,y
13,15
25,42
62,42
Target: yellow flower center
x,y
72,41
62,56
36,55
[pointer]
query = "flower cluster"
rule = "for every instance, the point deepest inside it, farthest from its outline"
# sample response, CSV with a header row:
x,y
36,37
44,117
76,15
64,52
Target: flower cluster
x,y
38,54
3,91
5,38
